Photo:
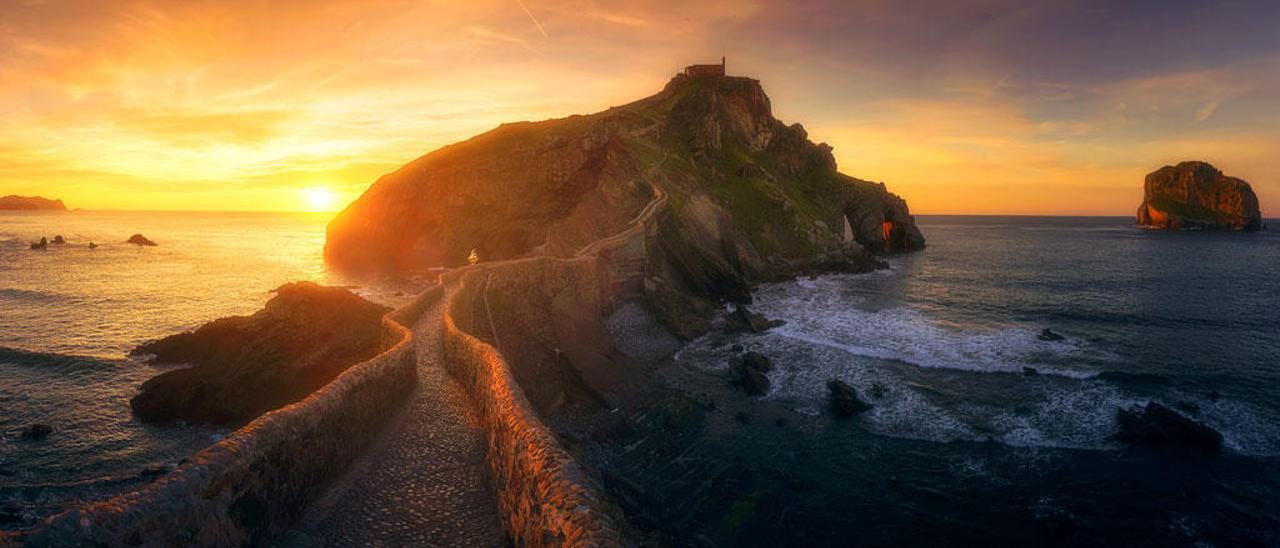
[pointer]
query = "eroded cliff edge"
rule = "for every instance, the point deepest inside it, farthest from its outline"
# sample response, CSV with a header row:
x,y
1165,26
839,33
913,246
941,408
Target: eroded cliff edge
x,y
750,199
1196,195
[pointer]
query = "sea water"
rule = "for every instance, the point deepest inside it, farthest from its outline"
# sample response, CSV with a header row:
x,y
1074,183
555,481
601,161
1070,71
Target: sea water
x,y
989,432
69,315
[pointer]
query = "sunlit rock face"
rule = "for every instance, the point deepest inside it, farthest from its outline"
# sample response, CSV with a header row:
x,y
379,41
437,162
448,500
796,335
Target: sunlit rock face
x,y
1196,195
747,192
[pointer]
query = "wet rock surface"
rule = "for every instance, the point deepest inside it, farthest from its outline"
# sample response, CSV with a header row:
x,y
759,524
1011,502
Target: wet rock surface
x,y
747,372
844,399
1155,425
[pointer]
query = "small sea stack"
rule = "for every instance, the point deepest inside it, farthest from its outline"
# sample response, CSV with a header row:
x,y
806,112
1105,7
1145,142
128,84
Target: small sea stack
x,y
1197,196
138,239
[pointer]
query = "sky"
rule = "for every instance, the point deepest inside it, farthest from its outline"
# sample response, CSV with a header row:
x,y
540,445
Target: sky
x,y
981,107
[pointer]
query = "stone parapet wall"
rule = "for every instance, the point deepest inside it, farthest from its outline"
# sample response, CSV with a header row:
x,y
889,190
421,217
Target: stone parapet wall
x,y
251,485
545,497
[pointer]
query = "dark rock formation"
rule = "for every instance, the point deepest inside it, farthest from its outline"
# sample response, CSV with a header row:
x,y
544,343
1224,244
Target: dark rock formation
x,y
93,245
844,400
1047,334
247,365
749,199
14,202
748,372
138,239
36,432
1196,195
1156,425
742,320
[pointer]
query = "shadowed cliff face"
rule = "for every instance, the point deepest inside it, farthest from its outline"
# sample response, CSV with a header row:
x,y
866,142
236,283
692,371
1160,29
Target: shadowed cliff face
x,y
1196,195
554,186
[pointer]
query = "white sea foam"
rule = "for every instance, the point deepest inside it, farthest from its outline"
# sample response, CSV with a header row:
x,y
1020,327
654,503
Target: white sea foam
x,y
926,369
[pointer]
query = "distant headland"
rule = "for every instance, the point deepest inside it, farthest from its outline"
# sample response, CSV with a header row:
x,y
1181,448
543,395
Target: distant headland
x,y
1197,196
31,203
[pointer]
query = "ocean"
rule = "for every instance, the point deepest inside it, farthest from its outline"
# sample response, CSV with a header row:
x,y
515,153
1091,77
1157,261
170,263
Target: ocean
x,y
69,315
963,447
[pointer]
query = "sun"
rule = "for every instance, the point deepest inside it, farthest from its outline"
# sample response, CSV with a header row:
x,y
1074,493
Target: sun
x,y
319,198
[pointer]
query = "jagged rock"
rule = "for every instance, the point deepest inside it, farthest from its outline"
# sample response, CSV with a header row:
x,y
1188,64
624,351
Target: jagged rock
x,y
1196,195
748,372
138,239
742,320
247,365
36,431
1156,425
1047,334
844,400
15,202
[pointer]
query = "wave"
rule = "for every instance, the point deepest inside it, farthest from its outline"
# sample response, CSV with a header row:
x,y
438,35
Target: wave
x,y
942,383
30,295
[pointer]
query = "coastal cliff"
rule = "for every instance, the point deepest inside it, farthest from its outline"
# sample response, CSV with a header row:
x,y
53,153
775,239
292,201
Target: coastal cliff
x,y
1196,195
30,203
749,198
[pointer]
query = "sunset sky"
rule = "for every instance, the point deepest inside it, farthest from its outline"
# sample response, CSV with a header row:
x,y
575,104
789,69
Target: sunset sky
x,y
991,106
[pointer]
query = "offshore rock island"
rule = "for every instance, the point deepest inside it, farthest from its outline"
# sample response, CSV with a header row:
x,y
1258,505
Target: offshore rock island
x,y
1197,196
30,203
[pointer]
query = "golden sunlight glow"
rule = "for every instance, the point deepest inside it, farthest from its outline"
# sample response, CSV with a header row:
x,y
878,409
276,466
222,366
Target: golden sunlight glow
x,y
319,199
241,105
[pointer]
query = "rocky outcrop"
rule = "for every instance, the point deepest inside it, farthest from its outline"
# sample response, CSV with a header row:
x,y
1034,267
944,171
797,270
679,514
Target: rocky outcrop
x,y
247,488
844,399
247,365
1197,196
751,199
138,239
1158,426
748,372
31,203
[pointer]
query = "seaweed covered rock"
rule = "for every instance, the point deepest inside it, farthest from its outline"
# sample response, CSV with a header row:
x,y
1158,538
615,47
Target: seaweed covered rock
x,y
244,366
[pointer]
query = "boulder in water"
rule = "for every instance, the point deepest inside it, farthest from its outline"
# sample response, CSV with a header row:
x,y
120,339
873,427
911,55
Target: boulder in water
x,y
138,239
748,372
742,320
1155,425
36,431
1047,334
844,400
